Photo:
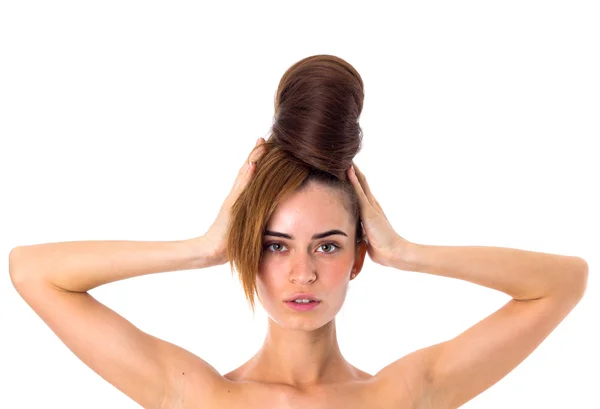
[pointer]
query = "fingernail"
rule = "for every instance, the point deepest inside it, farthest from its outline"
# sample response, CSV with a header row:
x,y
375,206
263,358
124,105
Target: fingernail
x,y
258,141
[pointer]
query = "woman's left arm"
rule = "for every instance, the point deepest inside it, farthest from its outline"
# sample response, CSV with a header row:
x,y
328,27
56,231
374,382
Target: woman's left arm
x,y
524,275
544,289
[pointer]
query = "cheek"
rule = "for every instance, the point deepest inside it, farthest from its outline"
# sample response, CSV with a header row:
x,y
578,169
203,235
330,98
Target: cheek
x,y
269,280
335,279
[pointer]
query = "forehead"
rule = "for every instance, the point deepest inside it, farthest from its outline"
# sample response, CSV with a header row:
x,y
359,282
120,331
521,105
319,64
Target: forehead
x,y
314,209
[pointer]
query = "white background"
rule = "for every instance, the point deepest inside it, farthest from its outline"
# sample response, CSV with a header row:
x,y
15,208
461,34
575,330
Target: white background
x,y
129,120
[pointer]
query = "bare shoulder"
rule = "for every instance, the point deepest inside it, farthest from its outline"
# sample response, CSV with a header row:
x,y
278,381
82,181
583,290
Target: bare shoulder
x,y
404,383
450,373
149,370
401,384
192,381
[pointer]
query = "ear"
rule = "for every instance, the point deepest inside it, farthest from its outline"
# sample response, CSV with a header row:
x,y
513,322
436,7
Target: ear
x,y
359,258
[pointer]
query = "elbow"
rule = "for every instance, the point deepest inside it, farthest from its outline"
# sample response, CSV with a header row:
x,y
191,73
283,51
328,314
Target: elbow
x,y
583,279
577,282
572,283
12,265
15,266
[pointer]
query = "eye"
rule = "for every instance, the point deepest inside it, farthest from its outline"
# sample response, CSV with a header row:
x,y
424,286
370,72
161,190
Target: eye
x,y
331,246
267,246
276,247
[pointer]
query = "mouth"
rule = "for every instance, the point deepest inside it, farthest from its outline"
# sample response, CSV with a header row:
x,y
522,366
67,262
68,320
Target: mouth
x,y
303,297
303,306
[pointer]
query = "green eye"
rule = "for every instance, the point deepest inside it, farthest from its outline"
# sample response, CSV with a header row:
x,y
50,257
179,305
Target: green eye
x,y
277,247
267,246
330,245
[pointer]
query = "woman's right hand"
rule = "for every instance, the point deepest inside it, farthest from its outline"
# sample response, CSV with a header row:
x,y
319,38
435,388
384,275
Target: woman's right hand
x,y
216,237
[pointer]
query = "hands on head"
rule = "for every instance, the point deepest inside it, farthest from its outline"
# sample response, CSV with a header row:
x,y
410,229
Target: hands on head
x,y
384,244
216,236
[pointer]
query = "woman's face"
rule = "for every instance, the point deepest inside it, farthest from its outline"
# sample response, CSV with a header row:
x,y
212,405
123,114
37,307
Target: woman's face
x,y
300,263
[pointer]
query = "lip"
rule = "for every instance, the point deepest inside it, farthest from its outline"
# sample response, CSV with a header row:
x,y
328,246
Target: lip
x,y
308,296
303,307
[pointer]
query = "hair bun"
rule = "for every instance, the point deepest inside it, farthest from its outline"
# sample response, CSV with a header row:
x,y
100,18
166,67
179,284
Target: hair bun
x,y
317,107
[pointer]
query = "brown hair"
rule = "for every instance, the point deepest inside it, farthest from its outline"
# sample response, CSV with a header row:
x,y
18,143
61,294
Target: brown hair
x,y
314,137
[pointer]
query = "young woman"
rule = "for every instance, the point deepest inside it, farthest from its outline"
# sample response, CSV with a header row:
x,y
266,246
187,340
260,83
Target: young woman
x,y
297,226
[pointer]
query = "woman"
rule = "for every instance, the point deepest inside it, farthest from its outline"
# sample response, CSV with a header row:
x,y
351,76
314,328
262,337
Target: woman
x,y
296,226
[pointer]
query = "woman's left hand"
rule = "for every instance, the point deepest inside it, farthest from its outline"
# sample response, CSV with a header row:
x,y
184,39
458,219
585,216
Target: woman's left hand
x,y
385,246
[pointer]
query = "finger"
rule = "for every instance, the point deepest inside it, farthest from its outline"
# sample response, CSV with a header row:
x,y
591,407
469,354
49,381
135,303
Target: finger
x,y
243,178
381,209
362,197
256,151
368,192
246,171
365,186
256,145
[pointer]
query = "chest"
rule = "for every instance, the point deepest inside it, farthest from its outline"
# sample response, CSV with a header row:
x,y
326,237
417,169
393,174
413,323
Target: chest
x,y
345,396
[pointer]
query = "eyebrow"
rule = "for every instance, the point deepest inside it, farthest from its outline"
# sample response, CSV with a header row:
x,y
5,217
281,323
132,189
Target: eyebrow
x,y
314,237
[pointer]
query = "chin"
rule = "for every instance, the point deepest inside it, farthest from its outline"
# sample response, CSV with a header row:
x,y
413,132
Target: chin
x,y
301,320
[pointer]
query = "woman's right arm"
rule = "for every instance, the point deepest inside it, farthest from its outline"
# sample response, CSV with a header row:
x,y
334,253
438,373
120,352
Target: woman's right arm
x,y
54,278
80,266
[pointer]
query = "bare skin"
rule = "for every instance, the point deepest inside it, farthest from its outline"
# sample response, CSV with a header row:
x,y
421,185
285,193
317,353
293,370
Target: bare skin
x,y
54,279
300,363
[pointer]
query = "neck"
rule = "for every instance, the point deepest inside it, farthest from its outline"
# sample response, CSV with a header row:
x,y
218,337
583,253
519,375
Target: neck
x,y
301,358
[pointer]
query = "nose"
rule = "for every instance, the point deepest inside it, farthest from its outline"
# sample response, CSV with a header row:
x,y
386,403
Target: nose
x,y
302,269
